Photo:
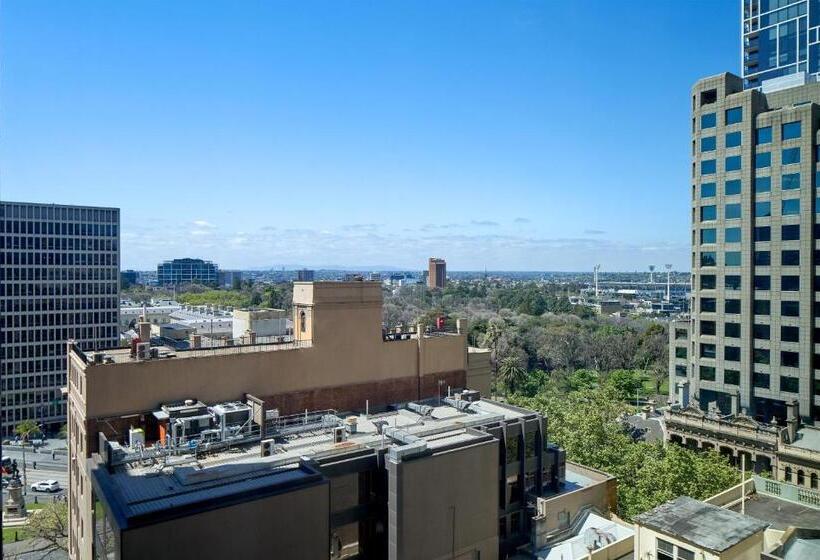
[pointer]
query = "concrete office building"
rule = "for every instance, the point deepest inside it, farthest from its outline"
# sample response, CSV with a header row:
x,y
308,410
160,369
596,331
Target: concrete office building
x,y
750,353
780,39
436,273
339,360
187,271
59,279
304,275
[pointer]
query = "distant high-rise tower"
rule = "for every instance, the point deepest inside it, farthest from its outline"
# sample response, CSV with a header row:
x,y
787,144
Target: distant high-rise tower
x,y
780,38
436,273
59,280
304,275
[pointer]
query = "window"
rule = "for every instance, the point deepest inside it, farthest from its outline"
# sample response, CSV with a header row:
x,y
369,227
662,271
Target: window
x,y
707,97
763,135
763,160
790,359
680,371
734,115
731,330
732,235
790,181
790,232
760,356
790,207
790,258
790,334
733,139
708,120
732,258
680,333
763,184
708,167
708,144
760,380
731,377
302,321
790,130
732,163
732,211
708,213
763,283
708,235
708,258
708,305
707,190
707,351
763,233
707,327
669,551
790,283
731,282
680,351
707,282
731,187
761,307
731,306
761,332
731,353
789,384
707,373
789,156
790,308
763,209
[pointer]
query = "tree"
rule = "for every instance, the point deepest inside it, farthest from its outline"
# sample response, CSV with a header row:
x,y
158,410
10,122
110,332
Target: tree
x,y
25,430
510,373
582,379
50,524
627,382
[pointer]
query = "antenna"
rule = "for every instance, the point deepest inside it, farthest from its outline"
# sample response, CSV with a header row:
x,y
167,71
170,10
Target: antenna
x,y
668,281
651,273
595,269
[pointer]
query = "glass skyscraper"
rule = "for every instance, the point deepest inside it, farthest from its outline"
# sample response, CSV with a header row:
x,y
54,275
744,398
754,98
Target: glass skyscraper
x,y
780,37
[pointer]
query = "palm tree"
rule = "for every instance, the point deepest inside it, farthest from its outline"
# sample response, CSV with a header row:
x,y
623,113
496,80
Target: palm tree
x,y
510,373
25,430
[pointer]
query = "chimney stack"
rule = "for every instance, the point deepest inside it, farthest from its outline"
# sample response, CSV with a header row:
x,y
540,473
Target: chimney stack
x,y
144,329
792,420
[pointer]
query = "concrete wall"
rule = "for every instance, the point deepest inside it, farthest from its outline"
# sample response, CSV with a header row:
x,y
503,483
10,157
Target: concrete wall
x,y
293,525
479,370
601,494
445,505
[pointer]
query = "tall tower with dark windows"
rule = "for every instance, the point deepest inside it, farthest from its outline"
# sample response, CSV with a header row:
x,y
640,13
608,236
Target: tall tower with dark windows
x,y
754,284
59,280
780,38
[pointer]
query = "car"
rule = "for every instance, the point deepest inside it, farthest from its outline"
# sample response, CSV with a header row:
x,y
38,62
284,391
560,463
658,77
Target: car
x,y
46,486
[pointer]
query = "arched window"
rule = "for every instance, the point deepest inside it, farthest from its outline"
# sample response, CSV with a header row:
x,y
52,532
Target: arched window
x,y
302,321
801,478
813,480
787,474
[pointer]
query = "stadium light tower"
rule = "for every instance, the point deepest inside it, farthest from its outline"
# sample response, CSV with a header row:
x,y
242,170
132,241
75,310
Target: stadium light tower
x,y
668,281
651,273
596,268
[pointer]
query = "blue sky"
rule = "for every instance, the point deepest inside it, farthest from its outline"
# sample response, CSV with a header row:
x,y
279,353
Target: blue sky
x,y
511,135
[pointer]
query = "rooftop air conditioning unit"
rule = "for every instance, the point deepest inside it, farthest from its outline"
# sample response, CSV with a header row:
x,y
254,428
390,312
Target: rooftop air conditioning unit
x,y
143,350
268,447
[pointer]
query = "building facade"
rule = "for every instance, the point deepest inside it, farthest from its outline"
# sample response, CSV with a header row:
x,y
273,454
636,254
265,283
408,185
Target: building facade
x,y
187,271
779,38
436,273
304,275
340,359
59,280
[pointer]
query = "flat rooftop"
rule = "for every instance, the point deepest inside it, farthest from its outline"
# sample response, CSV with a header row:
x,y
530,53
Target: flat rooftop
x,y
123,355
780,514
808,438
151,486
705,525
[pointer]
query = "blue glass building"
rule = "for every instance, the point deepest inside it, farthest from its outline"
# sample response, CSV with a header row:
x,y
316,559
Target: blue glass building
x,y
780,37
187,271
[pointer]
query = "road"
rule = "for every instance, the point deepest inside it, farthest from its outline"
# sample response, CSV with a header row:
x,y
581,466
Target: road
x,y
47,469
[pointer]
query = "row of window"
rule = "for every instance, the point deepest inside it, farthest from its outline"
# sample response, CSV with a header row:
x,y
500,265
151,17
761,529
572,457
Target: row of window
x,y
759,331
763,160
759,355
731,116
788,384
762,234
62,243
762,209
759,307
50,212
763,135
23,305
761,282
788,182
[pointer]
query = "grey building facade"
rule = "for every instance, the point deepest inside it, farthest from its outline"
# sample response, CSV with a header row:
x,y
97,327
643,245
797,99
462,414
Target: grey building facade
x,y
754,164
59,279
187,271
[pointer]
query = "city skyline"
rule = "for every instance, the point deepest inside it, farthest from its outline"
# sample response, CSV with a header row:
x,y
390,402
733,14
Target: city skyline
x,y
249,154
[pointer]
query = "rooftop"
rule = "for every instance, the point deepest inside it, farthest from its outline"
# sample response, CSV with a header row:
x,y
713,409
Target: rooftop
x,y
596,530
704,525
808,438
780,513
149,486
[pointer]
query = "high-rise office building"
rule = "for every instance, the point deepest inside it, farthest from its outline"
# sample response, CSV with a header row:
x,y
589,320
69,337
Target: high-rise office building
x,y
304,275
187,271
59,280
436,273
780,38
